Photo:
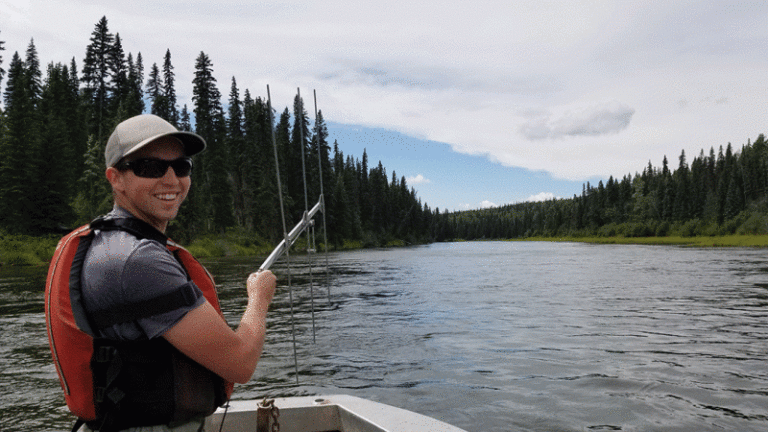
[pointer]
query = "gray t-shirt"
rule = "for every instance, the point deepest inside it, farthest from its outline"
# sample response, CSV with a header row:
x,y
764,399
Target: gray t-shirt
x,y
120,269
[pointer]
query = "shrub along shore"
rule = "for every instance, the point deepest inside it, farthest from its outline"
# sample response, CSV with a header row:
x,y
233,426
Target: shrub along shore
x,y
23,250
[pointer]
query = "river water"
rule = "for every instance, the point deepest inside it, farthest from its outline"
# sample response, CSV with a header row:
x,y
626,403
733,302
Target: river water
x,y
488,336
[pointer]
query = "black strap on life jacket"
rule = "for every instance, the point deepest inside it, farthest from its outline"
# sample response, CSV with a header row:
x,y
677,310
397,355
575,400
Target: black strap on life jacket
x,y
184,296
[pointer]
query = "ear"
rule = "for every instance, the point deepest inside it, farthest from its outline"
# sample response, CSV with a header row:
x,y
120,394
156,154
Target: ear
x,y
116,179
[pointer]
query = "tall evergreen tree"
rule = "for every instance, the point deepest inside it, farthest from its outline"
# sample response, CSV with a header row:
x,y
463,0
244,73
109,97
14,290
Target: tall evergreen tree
x,y
260,167
184,120
296,158
243,192
17,149
170,111
155,92
118,71
58,161
319,159
96,78
210,124
135,94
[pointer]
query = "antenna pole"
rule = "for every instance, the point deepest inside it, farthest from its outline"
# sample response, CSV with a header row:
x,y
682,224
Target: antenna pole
x,y
285,233
322,200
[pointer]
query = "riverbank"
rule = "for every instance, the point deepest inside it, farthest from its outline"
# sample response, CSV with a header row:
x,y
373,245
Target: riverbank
x,y
735,240
22,250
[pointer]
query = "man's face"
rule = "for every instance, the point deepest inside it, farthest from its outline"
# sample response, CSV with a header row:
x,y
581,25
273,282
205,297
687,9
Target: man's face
x,y
153,200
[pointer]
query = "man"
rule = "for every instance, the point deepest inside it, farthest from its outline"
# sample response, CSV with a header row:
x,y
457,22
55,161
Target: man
x,y
136,312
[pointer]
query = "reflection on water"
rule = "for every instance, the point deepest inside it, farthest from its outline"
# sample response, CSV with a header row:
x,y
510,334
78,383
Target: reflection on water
x,y
489,336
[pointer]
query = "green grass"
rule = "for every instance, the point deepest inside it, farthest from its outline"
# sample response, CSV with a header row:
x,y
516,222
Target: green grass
x,y
697,241
22,250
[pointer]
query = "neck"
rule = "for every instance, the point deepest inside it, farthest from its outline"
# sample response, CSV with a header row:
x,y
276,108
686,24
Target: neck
x,y
159,225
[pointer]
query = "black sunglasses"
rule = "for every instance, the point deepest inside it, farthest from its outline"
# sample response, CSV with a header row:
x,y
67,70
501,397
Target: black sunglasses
x,y
156,168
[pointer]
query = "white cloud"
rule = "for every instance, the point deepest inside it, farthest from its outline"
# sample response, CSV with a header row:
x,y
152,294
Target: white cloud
x,y
419,179
596,120
487,204
543,196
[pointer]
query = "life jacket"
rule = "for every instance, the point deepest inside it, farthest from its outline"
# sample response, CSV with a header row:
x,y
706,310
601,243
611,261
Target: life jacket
x,y
112,385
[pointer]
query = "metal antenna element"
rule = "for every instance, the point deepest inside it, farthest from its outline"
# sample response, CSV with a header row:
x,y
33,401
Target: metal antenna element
x,y
322,199
300,124
285,235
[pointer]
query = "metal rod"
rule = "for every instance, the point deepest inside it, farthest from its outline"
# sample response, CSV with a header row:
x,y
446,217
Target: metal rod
x,y
291,237
300,124
285,233
322,200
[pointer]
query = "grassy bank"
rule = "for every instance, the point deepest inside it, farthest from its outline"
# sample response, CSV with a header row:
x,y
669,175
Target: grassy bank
x,y
21,250
697,241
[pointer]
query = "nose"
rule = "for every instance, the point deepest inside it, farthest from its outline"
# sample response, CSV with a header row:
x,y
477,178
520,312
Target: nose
x,y
170,176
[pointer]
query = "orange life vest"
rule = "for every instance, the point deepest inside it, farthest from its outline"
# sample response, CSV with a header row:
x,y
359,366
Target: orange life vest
x,y
70,331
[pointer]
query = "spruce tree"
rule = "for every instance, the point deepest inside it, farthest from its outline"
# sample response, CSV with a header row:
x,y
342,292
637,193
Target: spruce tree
x,y
57,162
296,175
155,92
96,78
135,94
170,111
14,194
118,72
216,193
264,214
243,194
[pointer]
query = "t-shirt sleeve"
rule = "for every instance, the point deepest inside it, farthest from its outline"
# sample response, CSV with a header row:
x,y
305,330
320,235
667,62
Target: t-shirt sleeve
x,y
152,271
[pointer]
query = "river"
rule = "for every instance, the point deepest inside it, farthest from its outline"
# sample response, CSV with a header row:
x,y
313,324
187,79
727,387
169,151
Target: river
x,y
488,336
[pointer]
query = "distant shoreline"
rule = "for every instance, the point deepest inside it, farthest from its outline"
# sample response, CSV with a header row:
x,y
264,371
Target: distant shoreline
x,y
758,241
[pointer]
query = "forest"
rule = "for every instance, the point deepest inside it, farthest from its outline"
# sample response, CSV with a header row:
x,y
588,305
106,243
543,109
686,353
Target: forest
x,y
718,194
55,121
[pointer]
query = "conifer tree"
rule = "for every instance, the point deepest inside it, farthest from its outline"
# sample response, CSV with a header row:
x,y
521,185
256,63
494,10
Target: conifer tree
x,y
319,158
57,161
155,92
118,71
283,143
94,196
96,78
184,120
210,124
260,166
135,94
296,158
243,194
16,206
170,111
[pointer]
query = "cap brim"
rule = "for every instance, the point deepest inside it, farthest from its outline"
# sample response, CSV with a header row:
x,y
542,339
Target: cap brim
x,y
193,143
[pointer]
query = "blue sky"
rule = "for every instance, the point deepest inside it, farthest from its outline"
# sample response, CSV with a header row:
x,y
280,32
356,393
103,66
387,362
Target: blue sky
x,y
490,102
443,178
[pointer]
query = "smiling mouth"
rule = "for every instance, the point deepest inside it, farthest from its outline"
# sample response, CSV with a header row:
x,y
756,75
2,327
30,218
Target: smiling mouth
x,y
167,197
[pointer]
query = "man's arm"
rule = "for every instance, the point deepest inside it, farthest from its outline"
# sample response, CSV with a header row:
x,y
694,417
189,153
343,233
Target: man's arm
x,y
206,338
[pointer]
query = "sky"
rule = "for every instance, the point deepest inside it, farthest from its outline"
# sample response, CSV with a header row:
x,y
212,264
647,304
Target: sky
x,y
476,104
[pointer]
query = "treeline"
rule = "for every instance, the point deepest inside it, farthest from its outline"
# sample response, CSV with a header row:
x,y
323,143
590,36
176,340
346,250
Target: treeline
x,y
55,123
717,194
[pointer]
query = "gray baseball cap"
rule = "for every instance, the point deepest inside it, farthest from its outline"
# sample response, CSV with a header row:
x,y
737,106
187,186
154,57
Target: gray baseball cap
x,y
138,131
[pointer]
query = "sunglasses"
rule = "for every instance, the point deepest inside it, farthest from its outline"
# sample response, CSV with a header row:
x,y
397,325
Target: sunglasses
x,y
156,168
